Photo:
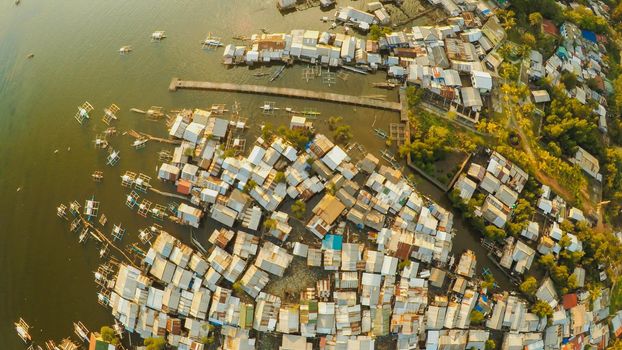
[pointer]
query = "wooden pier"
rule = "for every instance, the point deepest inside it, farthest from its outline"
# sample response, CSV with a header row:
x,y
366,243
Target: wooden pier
x,y
285,92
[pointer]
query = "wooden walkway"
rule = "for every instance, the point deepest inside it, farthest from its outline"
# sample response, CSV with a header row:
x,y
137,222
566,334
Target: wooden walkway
x,y
286,92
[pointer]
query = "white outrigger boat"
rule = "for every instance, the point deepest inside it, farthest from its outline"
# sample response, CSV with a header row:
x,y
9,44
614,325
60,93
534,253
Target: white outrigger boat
x,y
158,35
212,43
22,330
81,331
125,49
268,108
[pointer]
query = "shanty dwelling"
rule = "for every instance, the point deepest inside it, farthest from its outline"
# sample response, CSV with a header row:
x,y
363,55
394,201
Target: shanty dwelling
x,y
178,128
273,259
189,215
531,231
266,312
168,172
547,293
254,280
288,319
189,172
219,259
193,132
588,163
481,81
245,245
223,214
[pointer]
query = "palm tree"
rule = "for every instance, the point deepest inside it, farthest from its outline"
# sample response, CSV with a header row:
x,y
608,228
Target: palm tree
x,y
535,19
507,18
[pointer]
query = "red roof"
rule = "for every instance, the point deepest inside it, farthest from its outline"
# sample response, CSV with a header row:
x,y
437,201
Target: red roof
x,y
601,38
569,301
184,186
549,27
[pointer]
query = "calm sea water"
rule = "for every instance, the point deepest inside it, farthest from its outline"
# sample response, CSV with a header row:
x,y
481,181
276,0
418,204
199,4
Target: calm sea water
x,y
45,275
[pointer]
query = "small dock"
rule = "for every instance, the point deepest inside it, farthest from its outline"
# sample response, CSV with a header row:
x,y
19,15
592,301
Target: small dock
x,y
285,92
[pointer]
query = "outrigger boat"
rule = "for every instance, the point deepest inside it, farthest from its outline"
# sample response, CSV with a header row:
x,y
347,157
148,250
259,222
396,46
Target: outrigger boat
x,y
61,211
98,176
212,43
81,331
311,113
267,108
83,235
22,330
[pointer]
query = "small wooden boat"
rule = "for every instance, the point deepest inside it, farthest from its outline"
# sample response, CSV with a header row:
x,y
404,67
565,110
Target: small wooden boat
x,y
381,133
311,113
17,2
212,43
81,331
125,49
30,55
355,69
260,74
277,73
385,85
103,251
83,235
22,330
140,143
240,37
158,35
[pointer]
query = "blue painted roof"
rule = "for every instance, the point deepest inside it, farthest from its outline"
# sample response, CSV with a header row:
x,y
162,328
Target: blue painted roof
x,y
588,35
334,242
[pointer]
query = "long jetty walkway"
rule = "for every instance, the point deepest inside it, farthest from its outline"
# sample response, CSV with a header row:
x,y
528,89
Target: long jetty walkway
x,y
286,92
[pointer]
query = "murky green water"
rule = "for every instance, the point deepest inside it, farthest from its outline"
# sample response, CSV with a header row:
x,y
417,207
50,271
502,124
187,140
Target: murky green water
x,y
45,275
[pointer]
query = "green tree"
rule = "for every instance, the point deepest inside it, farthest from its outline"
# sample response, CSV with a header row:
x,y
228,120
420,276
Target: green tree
x,y
269,224
494,233
108,335
569,79
299,209
490,345
535,19
376,31
477,318
488,282
343,134
279,177
249,186
529,40
267,130
237,287
414,96
529,286
507,19
542,309
333,122
547,261
153,343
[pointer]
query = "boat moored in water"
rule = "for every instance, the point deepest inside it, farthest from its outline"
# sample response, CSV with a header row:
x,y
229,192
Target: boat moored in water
x,y
22,330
